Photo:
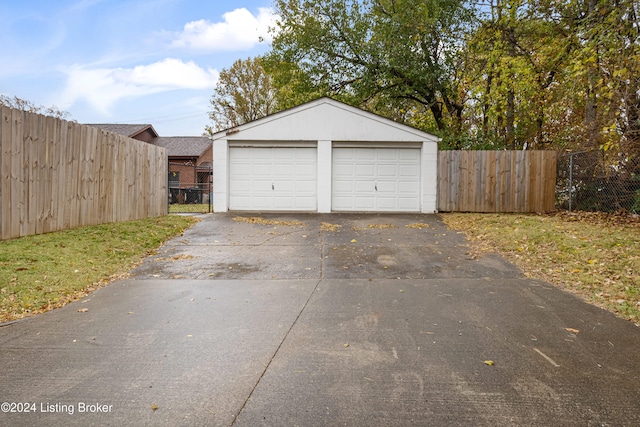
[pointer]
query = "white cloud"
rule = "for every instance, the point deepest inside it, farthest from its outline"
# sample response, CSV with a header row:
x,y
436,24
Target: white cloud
x,y
240,30
103,87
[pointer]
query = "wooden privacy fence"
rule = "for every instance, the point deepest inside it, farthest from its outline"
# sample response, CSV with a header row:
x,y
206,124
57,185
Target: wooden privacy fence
x,y
58,175
496,181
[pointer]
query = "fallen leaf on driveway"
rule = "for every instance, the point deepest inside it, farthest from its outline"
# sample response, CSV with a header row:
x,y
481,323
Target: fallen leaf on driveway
x,y
575,331
83,310
325,226
418,225
489,362
154,407
262,221
354,241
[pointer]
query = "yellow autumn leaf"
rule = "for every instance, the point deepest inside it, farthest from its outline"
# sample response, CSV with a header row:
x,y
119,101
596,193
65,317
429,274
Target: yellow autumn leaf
x,y
575,331
489,362
354,241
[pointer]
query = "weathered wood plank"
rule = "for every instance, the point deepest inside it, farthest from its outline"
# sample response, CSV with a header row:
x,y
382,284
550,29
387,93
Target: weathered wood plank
x,y
496,181
5,173
57,175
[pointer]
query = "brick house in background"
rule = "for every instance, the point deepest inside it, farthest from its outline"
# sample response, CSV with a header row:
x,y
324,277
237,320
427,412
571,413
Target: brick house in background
x,y
190,157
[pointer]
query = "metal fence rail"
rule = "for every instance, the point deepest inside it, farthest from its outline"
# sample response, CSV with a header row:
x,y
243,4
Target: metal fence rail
x,y
587,181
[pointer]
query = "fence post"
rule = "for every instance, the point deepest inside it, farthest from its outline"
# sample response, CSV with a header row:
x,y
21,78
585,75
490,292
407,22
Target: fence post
x,y
570,180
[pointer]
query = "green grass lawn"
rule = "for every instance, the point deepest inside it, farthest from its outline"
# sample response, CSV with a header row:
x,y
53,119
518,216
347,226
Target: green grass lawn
x,y
594,255
189,208
42,272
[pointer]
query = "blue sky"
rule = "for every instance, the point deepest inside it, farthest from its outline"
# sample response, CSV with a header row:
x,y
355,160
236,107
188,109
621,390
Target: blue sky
x,y
127,61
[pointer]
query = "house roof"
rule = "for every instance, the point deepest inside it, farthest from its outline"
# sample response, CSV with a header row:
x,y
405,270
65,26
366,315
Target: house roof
x,y
127,130
177,146
325,119
183,146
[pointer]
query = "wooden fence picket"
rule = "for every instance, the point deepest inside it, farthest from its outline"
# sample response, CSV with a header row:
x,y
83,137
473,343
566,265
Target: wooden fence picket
x,y
496,181
57,175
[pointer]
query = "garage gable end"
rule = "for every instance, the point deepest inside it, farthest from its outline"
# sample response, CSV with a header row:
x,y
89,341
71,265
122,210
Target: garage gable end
x,y
325,119
324,156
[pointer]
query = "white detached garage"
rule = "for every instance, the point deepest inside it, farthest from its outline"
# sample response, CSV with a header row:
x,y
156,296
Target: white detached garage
x,y
324,156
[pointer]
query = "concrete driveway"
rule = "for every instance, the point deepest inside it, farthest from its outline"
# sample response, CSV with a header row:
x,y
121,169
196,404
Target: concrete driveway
x,y
322,320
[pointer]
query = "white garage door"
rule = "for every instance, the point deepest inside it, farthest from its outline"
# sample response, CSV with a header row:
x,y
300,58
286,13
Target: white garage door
x,y
272,178
376,179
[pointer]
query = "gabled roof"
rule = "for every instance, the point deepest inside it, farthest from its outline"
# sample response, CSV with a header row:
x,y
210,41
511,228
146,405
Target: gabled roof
x,y
183,146
325,119
127,130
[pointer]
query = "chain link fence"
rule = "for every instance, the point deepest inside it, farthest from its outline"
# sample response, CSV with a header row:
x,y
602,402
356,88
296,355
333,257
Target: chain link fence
x,y
191,197
587,181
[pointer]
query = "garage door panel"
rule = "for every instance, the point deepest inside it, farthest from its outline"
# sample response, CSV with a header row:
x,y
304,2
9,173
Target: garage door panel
x,y
343,187
387,203
283,170
406,203
386,187
305,187
364,171
240,185
272,178
257,154
409,170
387,154
376,179
364,187
365,203
261,170
345,170
387,171
363,154
411,188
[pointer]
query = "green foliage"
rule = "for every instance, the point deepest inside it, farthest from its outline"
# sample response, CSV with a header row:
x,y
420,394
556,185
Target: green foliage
x,y
244,92
542,74
397,58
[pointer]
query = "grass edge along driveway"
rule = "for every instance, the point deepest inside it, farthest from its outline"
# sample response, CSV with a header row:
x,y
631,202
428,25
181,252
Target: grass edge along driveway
x,y
42,272
593,255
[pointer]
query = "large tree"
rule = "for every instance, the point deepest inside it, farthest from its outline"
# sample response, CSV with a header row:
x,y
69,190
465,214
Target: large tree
x,y
244,92
390,56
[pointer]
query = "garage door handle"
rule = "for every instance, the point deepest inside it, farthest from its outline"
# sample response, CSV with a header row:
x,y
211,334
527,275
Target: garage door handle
x,y
272,187
376,187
